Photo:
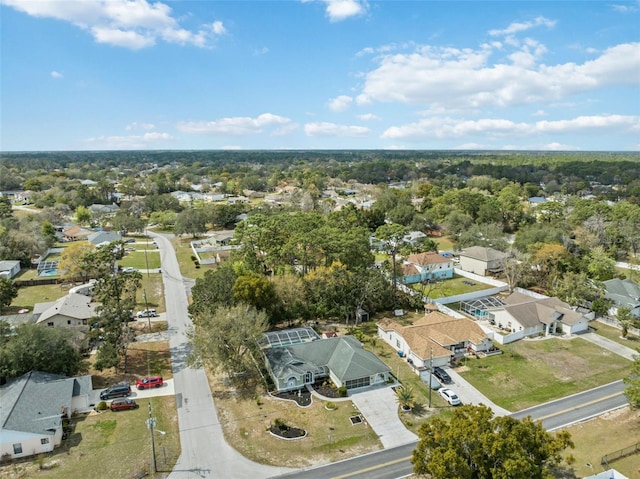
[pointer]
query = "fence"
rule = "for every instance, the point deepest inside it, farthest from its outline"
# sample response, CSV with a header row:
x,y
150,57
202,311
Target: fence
x,y
614,456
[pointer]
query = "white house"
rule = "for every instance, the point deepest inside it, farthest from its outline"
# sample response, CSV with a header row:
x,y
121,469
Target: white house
x,y
9,268
74,311
434,339
482,261
33,409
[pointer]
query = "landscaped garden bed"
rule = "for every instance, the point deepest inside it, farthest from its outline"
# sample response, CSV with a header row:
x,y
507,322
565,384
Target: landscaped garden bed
x,y
282,430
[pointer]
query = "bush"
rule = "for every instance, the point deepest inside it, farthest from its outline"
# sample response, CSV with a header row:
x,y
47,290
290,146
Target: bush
x,y
331,405
342,391
193,258
102,406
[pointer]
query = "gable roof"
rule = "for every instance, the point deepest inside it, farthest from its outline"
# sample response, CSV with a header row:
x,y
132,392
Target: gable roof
x,y
73,305
623,292
429,257
34,402
76,231
483,254
530,311
100,237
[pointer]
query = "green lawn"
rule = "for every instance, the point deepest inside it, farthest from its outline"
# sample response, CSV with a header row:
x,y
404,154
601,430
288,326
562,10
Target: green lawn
x,y
450,287
615,334
531,372
28,296
141,259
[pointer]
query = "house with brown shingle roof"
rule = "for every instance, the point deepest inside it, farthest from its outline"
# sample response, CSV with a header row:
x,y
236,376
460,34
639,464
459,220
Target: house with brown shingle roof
x,y
434,339
429,266
76,233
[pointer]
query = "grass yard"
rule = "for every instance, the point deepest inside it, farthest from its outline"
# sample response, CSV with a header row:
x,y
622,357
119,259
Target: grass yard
x,y
531,372
245,421
597,437
109,444
140,259
450,287
184,253
28,296
444,243
153,287
615,334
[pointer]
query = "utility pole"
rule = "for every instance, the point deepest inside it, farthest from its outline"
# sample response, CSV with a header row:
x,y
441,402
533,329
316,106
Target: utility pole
x,y
146,307
430,374
146,242
151,423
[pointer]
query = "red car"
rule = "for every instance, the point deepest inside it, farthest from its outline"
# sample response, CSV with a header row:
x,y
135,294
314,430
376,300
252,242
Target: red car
x,y
122,404
149,382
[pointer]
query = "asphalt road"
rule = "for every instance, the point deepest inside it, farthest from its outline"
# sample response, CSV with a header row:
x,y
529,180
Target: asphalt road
x,y
205,453
395,463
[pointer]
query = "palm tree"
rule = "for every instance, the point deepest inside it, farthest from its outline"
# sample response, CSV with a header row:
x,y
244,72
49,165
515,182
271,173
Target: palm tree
x,y
624,319
405,398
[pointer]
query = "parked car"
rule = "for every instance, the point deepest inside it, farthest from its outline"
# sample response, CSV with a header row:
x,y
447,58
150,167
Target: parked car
x,y
449,396
122,404
147,313
442,375
149,382
116,391
130,240
129,269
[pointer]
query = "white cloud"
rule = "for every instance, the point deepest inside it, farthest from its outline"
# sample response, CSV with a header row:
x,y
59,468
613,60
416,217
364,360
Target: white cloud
x,y
340,103
133,142
140,126
334,130
261,51
338,10
55,74
465,78
517,27
235,126
451,128
368,117
539,113
132,24
626,8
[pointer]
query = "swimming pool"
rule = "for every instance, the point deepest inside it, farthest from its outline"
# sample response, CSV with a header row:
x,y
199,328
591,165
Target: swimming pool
x,y
48,272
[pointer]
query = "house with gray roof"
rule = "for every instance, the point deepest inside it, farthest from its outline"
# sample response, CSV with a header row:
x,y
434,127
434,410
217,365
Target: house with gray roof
x,y
343,360
100,238
481,260
32,410
623,293
74,311
9,268
523,315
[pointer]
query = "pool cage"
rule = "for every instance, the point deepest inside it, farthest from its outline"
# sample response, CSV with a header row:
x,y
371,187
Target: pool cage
x,y
478,308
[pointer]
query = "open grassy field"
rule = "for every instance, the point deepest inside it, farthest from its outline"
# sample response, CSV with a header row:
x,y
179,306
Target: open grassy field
x,y
603,435
535,371
450,287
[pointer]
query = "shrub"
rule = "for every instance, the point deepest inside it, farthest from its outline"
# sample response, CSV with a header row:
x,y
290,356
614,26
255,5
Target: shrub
x,y
102,406
342,391
331,405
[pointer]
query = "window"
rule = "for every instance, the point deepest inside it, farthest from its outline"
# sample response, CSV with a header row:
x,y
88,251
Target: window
x,y
50,324
69,322
84,322
44,440
397,343
17,448
358,383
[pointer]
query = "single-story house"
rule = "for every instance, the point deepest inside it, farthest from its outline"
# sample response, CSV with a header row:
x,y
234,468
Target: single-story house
x,y
33,409
76,233
429,266
481,260
74,311
98,209
623,293
9,268
104,237
434,339
294,365
526,315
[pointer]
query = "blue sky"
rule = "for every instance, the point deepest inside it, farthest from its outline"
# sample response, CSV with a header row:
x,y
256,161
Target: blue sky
x,y
319,74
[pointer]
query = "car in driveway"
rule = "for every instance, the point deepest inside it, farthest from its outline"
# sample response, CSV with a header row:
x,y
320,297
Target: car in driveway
x,y
116,391
449,396
123,404
147,313
442,375
149,382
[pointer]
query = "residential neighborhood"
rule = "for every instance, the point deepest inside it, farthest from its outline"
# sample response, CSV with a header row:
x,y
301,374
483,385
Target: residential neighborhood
x,y
306,313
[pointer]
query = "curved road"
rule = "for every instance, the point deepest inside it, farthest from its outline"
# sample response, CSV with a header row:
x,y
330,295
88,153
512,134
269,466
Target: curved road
x,y
205,453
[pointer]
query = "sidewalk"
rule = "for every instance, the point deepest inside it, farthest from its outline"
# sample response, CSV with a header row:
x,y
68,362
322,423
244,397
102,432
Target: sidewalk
x,y
470,395
617,348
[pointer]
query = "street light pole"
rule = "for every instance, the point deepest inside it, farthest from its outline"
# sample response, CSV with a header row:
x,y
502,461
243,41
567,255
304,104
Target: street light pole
x,y
151,423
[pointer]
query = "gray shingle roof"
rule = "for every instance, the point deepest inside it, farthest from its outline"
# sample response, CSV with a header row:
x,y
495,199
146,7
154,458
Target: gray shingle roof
x,y
483,254
73,305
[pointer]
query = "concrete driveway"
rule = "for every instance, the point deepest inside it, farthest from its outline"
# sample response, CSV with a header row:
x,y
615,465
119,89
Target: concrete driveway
x,y
612,346
379,407
470,395
165,390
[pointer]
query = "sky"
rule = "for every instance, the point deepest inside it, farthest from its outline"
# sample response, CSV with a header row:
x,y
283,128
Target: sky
x,y
319,74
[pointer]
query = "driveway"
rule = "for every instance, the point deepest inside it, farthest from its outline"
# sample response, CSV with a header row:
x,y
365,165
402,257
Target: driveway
x,y
610,345
470,395
379,407
166,390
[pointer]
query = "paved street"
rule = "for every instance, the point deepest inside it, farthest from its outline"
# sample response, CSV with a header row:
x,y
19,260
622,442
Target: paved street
x,y
205,453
